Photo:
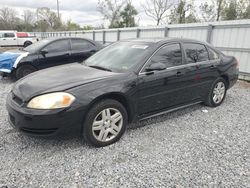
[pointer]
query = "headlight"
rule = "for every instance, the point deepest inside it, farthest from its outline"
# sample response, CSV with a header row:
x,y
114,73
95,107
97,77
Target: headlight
x,y
51,101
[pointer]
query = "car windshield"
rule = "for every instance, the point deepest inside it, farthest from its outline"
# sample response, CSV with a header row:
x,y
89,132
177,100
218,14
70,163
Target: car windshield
x,y
36,46
118,57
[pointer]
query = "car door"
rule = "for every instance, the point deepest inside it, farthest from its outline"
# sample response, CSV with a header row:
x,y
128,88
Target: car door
x,y
55,53
8,39
164,89
200,68
81,49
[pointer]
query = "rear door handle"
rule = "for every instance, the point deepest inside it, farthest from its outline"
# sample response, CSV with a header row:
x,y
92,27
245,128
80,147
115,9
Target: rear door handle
x,y
212,66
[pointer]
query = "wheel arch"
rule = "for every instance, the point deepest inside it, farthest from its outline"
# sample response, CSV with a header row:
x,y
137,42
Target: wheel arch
x,y
120,97
25,63
27,41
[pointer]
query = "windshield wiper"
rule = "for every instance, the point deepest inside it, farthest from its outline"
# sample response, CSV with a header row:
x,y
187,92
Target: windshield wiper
x,y
101,68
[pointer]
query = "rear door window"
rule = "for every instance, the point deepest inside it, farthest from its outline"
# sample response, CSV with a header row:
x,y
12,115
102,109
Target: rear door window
x,y
212,54
80,45
195,52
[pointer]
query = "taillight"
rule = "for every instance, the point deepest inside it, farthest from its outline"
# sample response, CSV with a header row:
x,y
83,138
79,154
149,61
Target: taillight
x,y
237,64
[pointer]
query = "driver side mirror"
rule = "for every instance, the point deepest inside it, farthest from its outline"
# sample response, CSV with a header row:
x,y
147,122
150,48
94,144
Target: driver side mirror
x,y
156,67
43,52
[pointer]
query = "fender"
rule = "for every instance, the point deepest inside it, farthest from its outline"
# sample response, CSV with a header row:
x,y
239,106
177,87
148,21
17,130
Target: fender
x,y
20,58
10,60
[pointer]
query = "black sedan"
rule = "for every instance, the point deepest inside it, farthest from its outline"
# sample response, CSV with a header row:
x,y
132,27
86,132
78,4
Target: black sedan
x,y
123,83
46,53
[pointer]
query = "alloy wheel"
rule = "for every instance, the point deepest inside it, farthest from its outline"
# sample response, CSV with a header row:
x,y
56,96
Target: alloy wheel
x,y
219,92
107,124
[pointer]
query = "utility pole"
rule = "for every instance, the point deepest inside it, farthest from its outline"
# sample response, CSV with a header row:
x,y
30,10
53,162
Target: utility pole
x,y
58,9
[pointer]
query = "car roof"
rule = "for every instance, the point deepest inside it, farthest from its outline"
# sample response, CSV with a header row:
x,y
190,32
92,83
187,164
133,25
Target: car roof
x,y
60,38
7,31
163,39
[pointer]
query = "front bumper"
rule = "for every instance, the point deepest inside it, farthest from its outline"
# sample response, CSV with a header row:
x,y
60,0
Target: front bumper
x,y
43,122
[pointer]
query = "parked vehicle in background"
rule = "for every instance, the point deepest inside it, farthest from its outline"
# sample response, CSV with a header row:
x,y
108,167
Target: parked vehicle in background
x,y
125,82
14,38
46,53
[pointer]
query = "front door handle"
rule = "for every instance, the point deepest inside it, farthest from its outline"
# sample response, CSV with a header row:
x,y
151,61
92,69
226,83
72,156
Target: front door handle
x,y
179,73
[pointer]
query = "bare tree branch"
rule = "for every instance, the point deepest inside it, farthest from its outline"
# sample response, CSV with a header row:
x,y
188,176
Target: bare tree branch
x,y
157,9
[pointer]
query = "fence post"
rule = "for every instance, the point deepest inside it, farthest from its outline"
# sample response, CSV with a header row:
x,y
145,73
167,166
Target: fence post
x,y
103,37
166,29
209,33
118,34
138,33
93,35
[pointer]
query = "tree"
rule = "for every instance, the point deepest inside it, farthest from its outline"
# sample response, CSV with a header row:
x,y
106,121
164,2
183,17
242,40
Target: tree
x,y
111,9
246,14
28,20
183,13
243,9
220,5
128,15
71,26
230,12
157,9
208,12
8,18
44,14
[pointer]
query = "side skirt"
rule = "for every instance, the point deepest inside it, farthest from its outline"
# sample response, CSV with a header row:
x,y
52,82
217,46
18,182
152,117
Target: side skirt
x,y
170,110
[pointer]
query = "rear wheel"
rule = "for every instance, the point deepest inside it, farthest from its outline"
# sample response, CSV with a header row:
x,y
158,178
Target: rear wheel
x,y
217,93
105,123
24,70
27,43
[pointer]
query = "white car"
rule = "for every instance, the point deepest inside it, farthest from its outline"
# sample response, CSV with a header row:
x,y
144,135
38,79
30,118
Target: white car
x,y
14,38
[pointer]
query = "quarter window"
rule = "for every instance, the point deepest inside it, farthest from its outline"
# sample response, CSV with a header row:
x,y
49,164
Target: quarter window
x,y
58,46
195,52
80,45
170,55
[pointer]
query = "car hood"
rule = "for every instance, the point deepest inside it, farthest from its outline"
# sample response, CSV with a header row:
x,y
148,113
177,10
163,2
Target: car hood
x,y
58,78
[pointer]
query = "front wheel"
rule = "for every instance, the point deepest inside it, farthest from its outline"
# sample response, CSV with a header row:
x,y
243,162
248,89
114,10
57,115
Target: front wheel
x,y
105,123
24,70
217,93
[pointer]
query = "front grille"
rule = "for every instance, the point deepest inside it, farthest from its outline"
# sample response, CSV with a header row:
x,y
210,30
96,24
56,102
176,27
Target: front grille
x,y
17,99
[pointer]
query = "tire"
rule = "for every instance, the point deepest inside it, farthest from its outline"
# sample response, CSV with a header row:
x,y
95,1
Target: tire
x,y
27,43
24,70
100,135
213,101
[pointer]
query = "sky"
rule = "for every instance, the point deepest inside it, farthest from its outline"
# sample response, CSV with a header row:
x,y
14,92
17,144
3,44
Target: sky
x,y
83,12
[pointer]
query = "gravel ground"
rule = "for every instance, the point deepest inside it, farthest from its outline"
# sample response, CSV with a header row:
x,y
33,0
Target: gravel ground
x,y
3,49
194,147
